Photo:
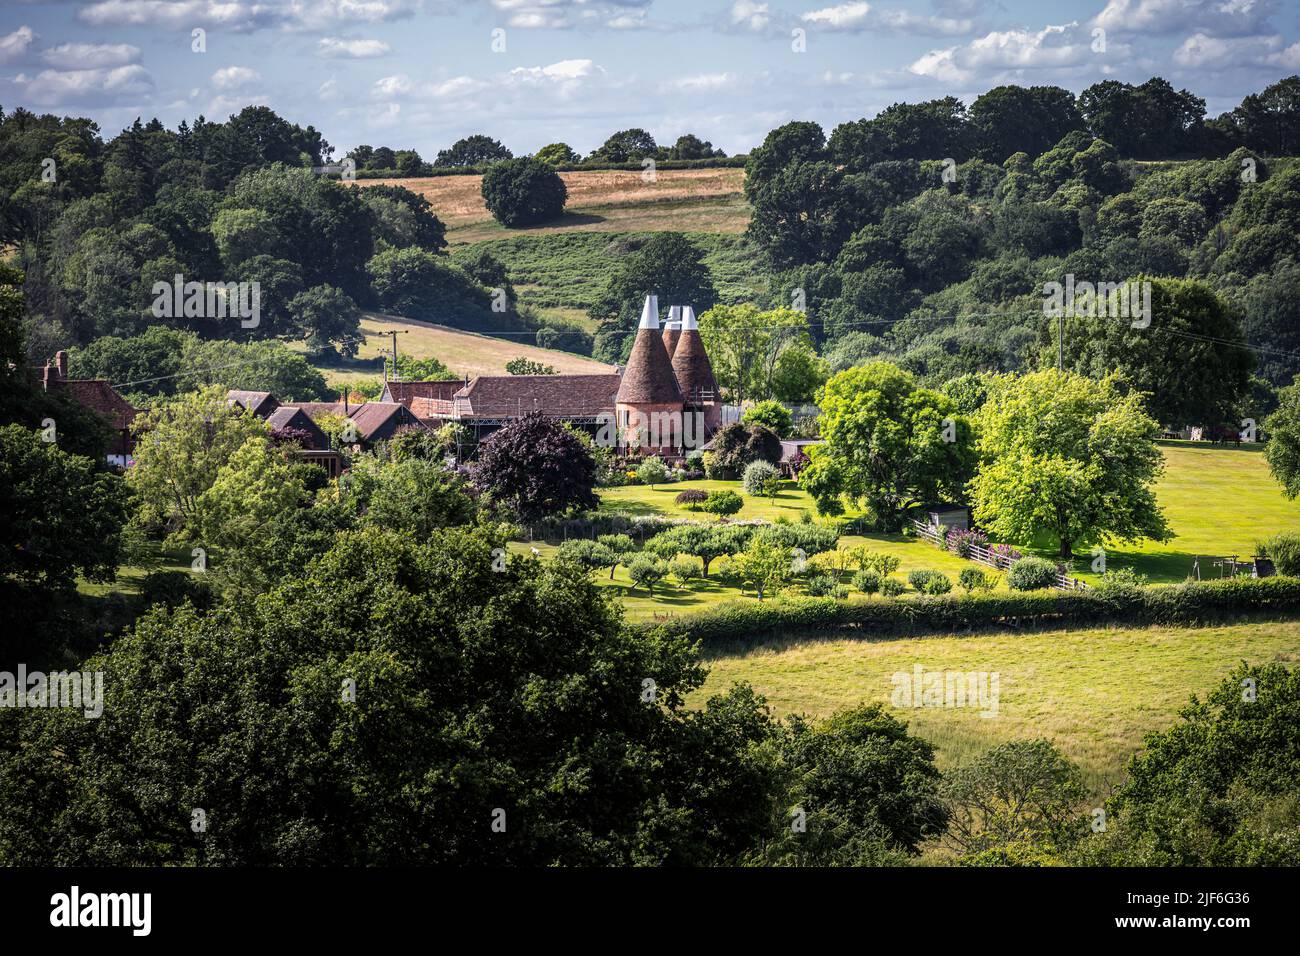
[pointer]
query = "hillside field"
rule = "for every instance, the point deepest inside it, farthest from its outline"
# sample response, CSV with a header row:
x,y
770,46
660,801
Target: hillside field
x,y
611,200
1094,693
465,353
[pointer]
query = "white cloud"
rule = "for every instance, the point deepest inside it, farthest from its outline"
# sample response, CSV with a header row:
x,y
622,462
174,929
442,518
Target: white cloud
x,y
566,14
391,86
90,55
352,49
245,14
234,77
78,87
1010,51
856,16
16,44
1218,17
704,82
748,15
1200,51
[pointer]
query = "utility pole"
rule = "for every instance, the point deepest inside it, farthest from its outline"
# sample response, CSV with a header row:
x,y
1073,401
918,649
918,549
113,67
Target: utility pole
x,y
1060,342
394,333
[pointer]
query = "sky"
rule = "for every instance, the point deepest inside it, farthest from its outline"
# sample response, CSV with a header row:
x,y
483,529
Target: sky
x,y
420,74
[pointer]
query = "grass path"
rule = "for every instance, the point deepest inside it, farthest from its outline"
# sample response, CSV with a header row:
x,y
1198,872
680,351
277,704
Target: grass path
x,y
1095,693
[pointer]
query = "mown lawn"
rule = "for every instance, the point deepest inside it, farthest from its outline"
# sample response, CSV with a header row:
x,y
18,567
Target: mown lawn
x,y
1095,693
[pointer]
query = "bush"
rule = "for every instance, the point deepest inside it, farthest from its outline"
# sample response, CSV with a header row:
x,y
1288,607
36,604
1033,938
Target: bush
x,y
723,503
174,588
523,191
821,585
929,582
652,471
892,587
736,445
1284,551
771,414
868,582
692,498
761,478
1031,574
959,542
973,579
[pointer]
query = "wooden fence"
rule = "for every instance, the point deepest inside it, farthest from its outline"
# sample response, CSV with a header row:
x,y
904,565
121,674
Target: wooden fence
x,y
993,559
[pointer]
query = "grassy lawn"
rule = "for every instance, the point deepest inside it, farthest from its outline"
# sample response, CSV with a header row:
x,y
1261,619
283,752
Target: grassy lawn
x,y
1219,502
1095,693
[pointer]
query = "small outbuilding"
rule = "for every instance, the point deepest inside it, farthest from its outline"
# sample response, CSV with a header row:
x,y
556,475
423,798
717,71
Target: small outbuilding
x,y
947,515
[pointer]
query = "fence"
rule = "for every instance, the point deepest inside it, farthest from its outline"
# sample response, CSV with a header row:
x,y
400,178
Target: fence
x,y
991,558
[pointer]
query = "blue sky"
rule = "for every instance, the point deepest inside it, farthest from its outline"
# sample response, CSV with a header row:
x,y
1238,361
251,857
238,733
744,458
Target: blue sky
x,y
422,73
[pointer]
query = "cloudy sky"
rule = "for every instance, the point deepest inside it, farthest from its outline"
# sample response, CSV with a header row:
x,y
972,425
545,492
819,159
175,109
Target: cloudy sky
x,y
422,73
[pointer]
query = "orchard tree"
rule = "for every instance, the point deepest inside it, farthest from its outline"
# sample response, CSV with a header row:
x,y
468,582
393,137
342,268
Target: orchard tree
x,y
889,443
523,192
704,541
536,467
1067,456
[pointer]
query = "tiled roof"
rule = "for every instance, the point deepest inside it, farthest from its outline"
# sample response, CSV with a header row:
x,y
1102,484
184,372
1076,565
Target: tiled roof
x,y
672,333
648,378
288,417
556,396
405,392
313,409
378,421
260,404
98,395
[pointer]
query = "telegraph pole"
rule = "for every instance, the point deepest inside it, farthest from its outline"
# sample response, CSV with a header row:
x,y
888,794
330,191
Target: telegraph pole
x,y
1060,342
395,333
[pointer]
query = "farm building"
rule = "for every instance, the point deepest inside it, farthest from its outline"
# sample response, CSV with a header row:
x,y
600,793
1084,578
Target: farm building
x,y
98,396
665,400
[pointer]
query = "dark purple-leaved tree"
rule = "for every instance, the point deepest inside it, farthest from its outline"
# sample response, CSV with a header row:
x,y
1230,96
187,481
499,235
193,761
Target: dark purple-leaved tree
x,y
536,467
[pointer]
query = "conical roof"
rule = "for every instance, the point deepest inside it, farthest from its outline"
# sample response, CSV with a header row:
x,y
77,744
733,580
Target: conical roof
x,y
648,378
691,366
672,328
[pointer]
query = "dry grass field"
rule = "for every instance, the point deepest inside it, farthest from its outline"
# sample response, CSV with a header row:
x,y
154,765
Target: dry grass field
x,y
465,353
607,200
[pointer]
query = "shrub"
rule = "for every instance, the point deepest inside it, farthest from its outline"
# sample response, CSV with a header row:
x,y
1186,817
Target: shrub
x,y
723,503
1284,551
174,588
822,585
959,542
771,414
761,478
691,498
736,445
974,579
1005,555
868,582
519,192
1031,574
892,587
930,582
684,570
652,471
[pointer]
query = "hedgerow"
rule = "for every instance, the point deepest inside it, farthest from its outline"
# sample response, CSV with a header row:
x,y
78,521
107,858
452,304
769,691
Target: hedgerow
x,y
1189,603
